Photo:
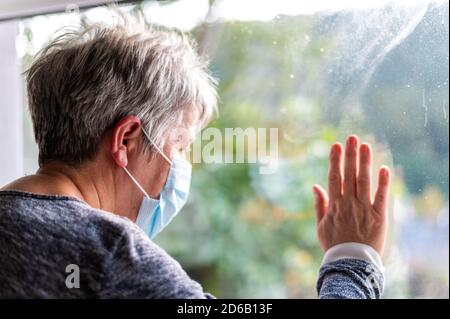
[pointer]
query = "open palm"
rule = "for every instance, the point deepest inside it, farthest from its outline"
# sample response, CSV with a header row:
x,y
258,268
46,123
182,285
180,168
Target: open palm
x,y
347,212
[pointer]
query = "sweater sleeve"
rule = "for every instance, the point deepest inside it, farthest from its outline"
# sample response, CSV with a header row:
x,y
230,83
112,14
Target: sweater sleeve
x,y
350,279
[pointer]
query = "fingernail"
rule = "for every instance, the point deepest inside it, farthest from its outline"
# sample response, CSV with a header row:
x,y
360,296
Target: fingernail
x,y
314,190
349,142
335,149
352,140
316,197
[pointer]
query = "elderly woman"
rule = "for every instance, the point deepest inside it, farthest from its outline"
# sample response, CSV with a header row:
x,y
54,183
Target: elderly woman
x,y
104,104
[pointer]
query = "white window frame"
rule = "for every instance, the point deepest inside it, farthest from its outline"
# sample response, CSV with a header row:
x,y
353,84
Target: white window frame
x,y
11,105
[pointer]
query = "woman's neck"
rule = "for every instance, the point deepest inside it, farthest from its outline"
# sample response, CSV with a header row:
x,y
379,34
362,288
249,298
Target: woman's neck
x,y
60,179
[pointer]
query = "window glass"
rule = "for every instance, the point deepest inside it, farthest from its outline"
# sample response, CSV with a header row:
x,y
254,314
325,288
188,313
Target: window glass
x,y
316,72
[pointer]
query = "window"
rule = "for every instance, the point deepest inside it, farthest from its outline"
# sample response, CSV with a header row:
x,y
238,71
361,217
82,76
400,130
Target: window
x,y
318,72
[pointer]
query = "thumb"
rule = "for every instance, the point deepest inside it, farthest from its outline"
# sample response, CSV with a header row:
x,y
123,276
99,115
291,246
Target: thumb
x,y
320,202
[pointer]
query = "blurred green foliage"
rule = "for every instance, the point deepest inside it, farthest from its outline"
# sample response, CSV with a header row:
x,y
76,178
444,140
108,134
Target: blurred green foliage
x,y
247,235
244,234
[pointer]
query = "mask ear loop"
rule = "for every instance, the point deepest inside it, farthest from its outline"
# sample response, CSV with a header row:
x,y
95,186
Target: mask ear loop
x,y
136,182
157,148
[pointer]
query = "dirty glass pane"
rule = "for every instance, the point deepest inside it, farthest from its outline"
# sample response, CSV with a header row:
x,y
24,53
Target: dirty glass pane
x,y
317,72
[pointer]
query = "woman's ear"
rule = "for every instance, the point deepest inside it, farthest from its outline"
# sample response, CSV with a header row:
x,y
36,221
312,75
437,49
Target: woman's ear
x,y
125,137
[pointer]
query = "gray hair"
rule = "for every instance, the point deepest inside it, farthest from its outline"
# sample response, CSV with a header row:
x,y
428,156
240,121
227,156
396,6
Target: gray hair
x,y
86,80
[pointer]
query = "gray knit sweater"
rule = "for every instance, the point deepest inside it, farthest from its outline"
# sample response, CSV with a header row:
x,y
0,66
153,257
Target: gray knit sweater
x,y
60,247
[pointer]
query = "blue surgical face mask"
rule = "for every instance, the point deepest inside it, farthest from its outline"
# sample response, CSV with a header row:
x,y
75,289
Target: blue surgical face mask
x,y
155,214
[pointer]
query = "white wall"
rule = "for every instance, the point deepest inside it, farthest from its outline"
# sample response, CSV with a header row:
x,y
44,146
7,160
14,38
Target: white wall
x,y
11,107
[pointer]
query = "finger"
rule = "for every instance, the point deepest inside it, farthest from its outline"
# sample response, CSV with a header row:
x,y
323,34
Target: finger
x,y
320,202
364,173
381,196
334,173
350,168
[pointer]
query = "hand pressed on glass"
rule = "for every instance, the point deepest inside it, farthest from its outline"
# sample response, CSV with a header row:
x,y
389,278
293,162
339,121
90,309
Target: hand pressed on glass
x,y
348,213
